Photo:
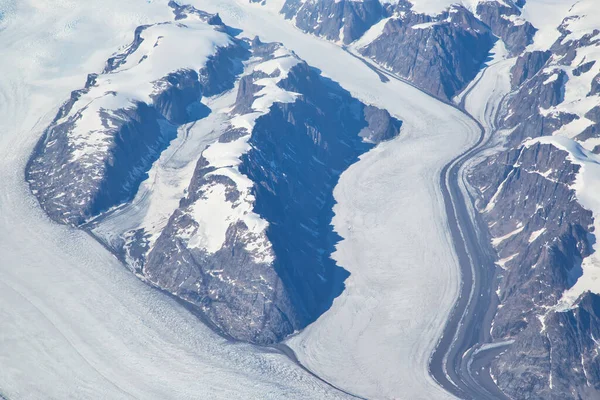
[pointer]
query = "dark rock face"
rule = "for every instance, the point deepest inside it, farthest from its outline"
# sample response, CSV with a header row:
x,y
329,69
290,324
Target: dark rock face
x,y
380,125
541,235
78,172
182,12
73,192
528,64
503,18
222,69
183,89
250,244
583,68
337,20
260,286
539,80
440,54
559,363
523,107
240,296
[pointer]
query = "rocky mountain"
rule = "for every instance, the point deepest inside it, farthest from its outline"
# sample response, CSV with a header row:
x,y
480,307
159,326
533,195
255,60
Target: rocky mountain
x,y
249,244
541,235
536,197
265,269
506,22
535,191
440,53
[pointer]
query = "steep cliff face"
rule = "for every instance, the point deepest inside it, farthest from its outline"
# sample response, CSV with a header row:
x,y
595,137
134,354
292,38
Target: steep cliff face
x,y
527,66
505,20
336,20
554,89
107,135
250,244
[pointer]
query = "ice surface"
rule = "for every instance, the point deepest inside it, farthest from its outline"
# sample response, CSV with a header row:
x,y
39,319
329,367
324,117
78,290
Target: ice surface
x,y
435,7
159,195
373,33
98,331
483,96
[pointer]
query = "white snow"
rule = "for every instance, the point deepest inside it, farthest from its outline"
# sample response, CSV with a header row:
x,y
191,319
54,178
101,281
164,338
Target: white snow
x,y
499,240
75,323
214,215
503,261
536,234
221,155
546,16
582,19
166,48
433,7
372,34
576,100
425,25
483,96
159,195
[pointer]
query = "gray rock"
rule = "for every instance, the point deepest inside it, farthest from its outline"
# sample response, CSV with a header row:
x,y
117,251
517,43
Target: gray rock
x,y
337,20
528,64
440,54
522,108
595,89
502,18
541,233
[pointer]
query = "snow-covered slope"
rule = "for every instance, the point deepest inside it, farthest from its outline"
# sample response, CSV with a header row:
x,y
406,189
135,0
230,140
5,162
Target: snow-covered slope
x,y
435,7
108,134
546,16
236,146
577,59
